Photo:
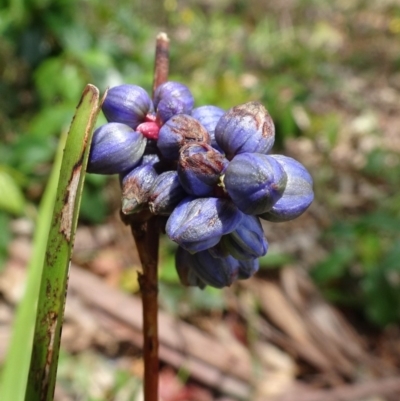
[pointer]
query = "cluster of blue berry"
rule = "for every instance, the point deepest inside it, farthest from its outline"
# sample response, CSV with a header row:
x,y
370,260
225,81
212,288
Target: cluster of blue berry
x,y
208,170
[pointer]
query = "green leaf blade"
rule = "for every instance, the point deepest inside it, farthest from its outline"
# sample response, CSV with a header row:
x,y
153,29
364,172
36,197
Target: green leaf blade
x,y
43,368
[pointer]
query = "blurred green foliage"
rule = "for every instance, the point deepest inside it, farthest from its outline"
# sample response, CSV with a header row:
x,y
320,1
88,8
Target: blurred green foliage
x,y
299,58
363,267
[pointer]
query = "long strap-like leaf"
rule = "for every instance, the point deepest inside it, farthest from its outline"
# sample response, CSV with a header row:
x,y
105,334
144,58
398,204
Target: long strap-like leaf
x,y
50,311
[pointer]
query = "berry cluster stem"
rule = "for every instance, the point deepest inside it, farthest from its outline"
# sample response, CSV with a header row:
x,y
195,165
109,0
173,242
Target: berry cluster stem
x,y
146,237
146,233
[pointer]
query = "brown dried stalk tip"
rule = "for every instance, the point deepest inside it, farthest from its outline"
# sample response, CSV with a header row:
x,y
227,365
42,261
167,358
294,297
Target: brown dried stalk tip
x,y
162,36
161,65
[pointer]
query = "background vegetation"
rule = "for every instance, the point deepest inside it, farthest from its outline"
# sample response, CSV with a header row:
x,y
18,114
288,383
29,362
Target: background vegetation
x,y
328,72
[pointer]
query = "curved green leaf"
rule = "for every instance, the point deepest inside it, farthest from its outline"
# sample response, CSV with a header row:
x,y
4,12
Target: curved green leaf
x,y
50,312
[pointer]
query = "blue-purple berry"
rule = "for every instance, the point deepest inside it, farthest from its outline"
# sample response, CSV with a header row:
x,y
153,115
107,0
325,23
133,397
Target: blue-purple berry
x,y
127,104
197,224
297,195
255,182
247,268
247,241
172,98
216,272
115,148
245,128
184,268
151,158
208,116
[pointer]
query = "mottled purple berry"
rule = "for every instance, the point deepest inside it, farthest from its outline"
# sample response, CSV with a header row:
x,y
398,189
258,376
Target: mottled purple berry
x,y
166,193
178,131
298,194
255,182
115,148
200,167
136,186
245,128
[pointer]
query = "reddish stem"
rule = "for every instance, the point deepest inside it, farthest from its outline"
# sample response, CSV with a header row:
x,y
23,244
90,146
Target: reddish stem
x,y
146,236
145,230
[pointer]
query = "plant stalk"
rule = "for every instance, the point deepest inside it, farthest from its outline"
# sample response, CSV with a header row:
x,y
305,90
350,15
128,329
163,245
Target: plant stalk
x,y
146,237
146,233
